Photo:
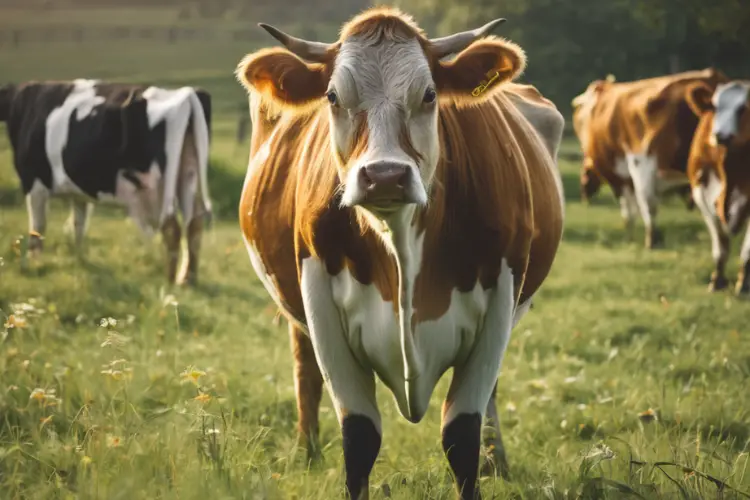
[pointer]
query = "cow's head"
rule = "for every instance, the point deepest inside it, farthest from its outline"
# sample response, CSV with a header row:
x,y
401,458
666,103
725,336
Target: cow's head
x,y
590,182
727,112
6,97
383,82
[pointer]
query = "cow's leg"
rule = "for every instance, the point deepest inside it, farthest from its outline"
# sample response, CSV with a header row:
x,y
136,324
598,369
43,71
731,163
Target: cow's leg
x,y
471,388
719,239
80,211
350,385
37,200
171,233
743,279
643,170
189,272
628,208
308,386
191,205
496,462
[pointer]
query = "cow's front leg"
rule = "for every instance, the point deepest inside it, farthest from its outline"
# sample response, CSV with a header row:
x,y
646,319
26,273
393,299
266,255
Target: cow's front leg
x,y
308,386
743,278
471,388
37,200
80,210
496,462
350,384
643,170
171,233
719,239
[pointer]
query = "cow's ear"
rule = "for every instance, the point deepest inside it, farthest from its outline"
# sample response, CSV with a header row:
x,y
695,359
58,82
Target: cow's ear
x,y
698,97
479,68
284,78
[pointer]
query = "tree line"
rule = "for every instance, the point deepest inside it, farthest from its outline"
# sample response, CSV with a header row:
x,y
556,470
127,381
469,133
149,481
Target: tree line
x,y
569,43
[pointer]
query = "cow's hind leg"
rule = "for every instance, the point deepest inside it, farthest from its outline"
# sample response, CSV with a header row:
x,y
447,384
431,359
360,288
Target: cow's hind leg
x,y
37,200
471,388
172,233
193,211
643,172
628,209
743,279
308,386
496,461
188,274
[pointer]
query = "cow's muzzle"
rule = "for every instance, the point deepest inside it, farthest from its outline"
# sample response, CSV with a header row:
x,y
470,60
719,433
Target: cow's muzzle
x,y
385,184
723,138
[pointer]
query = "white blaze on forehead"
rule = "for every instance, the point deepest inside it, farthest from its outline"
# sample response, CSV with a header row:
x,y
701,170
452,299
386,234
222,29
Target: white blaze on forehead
x,y
728,99
386,81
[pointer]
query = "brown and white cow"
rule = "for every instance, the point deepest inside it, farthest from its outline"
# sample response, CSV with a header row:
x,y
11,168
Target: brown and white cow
x,y
719,171
402,210
636,137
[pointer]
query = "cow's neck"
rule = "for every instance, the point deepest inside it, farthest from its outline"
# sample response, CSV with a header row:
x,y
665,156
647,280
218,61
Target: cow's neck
x,y
403,238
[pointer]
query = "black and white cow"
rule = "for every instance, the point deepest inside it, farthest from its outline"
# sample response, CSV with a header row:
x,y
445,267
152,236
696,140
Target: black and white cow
x,y
140,146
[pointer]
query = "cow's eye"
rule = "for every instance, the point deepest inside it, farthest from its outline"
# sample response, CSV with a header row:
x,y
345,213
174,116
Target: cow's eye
x,y
429,95
332,97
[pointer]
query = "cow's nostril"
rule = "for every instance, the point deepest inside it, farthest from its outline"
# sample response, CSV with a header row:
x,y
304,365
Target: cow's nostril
x,y
364,179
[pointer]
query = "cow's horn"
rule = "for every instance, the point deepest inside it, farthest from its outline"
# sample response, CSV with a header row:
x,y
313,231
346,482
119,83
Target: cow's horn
x,y
459,41
312,51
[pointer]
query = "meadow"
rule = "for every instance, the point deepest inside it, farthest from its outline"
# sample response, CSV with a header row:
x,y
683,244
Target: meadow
x,y
627,379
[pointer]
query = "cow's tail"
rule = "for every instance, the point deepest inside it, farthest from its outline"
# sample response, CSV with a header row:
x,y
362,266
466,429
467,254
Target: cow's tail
x,y
202,140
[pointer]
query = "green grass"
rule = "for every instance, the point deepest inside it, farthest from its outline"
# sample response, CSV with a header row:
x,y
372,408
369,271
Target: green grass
x,y
616,331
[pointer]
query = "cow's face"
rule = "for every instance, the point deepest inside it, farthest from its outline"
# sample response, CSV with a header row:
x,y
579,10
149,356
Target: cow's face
x,y
731,121
6,97
383,112
728,108
383,83
590,183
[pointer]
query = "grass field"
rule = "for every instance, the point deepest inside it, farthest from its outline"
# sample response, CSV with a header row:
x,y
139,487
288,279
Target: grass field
x,y
627,378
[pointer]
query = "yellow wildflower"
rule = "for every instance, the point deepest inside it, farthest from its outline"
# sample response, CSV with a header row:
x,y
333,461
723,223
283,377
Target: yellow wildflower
x,y
85,460
113,441
14,321
192,374
38,394
202,397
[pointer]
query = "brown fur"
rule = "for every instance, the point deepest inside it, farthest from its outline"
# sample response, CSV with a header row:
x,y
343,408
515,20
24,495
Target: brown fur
x,y
493,197
308,386
628,115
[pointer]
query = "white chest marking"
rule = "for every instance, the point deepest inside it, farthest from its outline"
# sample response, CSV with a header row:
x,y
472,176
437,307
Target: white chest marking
x,y
372,331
